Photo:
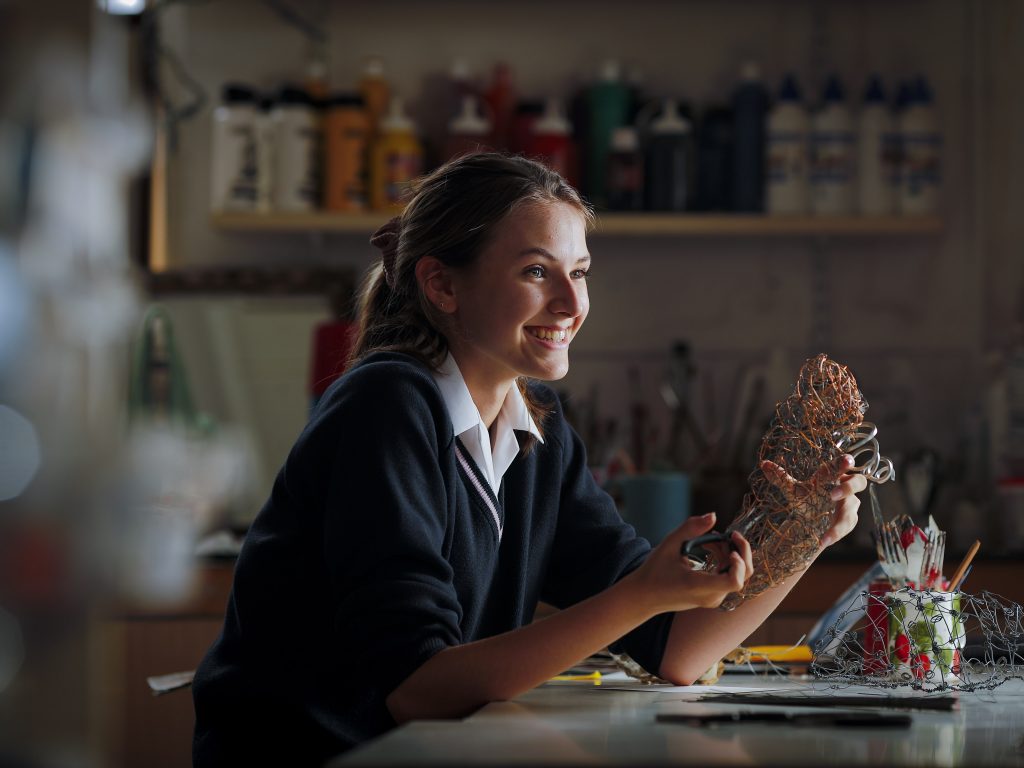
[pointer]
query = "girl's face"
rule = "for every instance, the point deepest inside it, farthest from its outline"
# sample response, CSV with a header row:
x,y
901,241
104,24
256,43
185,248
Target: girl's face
x,y
524,299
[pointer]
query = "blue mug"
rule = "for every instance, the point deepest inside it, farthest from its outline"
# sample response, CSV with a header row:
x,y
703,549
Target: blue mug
x,y
655,504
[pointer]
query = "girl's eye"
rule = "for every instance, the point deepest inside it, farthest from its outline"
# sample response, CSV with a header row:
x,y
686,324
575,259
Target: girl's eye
x,y
535,271
581,274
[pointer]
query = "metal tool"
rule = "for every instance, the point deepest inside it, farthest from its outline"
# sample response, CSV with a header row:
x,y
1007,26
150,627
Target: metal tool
x,y
876,468
689,547
821,719
891,554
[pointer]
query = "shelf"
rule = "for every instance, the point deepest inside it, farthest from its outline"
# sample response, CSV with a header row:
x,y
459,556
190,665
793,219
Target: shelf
x,y
630,224
749,225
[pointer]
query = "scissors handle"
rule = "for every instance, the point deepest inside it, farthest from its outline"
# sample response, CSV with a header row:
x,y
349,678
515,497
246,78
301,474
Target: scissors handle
x,y
707,538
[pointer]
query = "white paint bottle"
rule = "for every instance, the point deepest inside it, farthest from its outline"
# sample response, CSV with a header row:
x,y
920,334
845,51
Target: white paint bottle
x,y
920,153
234,166
296,151
833,154
786,152
877,154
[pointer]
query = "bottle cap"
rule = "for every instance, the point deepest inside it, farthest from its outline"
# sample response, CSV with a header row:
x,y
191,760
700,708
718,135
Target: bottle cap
x,y
874,93
922,91
293,95
906,95
553,122
396,119
469,122
502,76
750,71
346,99
625,139
460,69
611,71
374,67
833,90
670,121
238,93
790,90
530,108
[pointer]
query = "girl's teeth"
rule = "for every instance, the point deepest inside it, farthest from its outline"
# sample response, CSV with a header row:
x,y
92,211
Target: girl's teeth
x,y
549,335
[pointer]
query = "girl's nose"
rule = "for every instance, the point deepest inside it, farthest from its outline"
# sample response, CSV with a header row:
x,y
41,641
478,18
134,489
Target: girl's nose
x,y
570,298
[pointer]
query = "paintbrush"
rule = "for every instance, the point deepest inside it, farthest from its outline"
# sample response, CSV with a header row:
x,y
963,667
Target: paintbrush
x,y
961,571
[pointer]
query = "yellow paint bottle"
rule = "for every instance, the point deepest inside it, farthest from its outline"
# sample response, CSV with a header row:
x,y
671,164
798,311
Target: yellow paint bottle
x,y
395,161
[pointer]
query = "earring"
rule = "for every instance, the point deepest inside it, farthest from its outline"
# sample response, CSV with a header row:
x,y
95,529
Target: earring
x,y
441,306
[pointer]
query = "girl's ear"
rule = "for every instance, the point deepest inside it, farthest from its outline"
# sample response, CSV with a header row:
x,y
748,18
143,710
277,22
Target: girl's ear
x,y
435,280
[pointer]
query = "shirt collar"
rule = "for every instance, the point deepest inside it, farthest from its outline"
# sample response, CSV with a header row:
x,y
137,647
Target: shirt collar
x,y
492,459
514,414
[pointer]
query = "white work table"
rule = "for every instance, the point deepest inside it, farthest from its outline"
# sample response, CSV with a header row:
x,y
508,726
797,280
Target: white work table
x,y
578,723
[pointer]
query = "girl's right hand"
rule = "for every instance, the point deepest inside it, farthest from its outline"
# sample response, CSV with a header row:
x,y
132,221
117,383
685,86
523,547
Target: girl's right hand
x,y
668,581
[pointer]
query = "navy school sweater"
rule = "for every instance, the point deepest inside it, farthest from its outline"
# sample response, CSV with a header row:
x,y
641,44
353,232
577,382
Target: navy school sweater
x,y
376,550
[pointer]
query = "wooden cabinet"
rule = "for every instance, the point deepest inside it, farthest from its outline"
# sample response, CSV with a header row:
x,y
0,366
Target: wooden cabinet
x,y
156,731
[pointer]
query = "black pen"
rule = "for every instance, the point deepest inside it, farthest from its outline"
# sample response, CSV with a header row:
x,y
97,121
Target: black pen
x,y
825,719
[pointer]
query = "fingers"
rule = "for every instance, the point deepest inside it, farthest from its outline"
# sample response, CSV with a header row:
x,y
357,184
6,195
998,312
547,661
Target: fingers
x,y
844,522
848,485
744,550
831,471
691,528
777,476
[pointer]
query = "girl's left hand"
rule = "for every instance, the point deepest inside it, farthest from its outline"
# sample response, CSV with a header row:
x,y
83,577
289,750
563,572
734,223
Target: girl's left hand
x,y
845,486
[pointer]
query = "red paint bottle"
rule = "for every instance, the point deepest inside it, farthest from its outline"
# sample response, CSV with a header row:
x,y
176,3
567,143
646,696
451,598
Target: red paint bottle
x,y
551,140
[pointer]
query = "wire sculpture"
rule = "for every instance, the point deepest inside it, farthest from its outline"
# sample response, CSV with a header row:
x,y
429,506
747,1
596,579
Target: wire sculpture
x,y
784,522
924,639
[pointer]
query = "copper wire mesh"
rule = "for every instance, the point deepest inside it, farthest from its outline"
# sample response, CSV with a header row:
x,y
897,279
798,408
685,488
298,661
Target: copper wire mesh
x,y
784,522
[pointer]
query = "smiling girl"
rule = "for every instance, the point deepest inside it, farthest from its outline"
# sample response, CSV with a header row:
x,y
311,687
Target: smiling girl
x,y
438,494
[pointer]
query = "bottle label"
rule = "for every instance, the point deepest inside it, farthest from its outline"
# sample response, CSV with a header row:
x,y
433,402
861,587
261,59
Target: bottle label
x,y
400,170
243,185
832,157
890,150
309,182
786,156
921,166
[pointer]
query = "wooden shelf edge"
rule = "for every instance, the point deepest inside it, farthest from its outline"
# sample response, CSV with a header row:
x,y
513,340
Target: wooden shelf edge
x,y
741,225
313,221
631,224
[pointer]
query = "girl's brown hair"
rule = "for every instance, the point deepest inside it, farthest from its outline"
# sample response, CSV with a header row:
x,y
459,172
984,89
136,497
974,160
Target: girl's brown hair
x,y
451,216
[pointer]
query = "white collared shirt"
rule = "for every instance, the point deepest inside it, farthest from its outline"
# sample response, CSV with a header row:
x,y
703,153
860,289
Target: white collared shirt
x,y
469,427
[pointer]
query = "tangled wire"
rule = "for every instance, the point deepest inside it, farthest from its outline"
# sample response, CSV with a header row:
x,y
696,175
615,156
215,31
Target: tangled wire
x,y
784,522
927,640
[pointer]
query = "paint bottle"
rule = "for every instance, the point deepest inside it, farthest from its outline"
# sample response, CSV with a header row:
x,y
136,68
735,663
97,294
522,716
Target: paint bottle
x,y
346,139
234,159
500,98
608,105
265,140
396,159
833,154
668,160
551,139
625,171
439,103
469,131
296,151
376,92
877,154
786,152
715,152
750,103
526,115
920,153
